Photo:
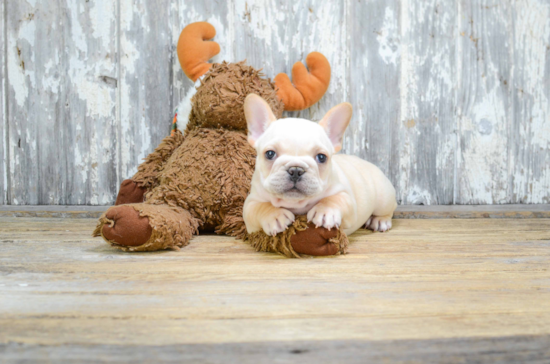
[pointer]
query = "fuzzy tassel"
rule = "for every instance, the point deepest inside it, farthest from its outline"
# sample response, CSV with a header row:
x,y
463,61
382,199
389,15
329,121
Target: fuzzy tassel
x,y
281,243
172,228
147,174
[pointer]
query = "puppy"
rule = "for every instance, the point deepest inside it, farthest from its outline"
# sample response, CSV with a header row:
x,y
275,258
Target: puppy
x,y
297,172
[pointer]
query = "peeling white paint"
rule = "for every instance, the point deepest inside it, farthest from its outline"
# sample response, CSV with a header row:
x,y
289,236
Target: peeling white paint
x,y
16,75
51,81
130,55
500,152
387,38
77,33
484,165
101,20
19,72
417,195
3,108
223,39
532,39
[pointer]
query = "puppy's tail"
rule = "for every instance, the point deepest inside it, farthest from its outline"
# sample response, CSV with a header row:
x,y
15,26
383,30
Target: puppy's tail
x,y
308,87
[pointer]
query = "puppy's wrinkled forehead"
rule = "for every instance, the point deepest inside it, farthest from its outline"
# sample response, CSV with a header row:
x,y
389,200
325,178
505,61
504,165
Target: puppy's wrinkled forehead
x,y
295,136
264,126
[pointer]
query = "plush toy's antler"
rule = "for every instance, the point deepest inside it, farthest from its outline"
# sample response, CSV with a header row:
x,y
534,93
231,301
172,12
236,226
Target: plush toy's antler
x,y
310,86
194,49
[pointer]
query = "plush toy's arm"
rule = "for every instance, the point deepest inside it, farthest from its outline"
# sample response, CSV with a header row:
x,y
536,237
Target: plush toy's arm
x,y
146,176
133,190
308,87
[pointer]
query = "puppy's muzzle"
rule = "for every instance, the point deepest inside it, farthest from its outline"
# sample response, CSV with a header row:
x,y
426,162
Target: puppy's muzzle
x,y
295,173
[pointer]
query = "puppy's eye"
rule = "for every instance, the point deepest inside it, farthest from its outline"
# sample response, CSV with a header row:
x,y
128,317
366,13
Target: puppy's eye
x,y
270,154
321,158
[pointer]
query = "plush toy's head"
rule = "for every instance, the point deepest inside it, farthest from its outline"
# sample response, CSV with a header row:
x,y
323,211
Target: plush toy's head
x,y
219,100
220,97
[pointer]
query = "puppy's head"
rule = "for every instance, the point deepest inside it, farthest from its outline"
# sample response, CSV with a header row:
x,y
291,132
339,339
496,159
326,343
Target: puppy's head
x,y
294,155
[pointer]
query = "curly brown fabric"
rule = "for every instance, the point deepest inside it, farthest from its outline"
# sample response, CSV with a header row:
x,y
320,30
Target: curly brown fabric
x,y
130,192
201,178
209,175
219,101
171,228
126,227
146,175
283,244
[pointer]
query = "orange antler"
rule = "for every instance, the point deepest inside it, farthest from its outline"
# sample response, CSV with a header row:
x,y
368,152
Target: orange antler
x,y
194,49
310,86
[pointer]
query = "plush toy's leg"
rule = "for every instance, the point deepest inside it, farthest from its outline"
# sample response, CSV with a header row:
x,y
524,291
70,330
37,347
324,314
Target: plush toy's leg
x,y
301,238
130,192
146,227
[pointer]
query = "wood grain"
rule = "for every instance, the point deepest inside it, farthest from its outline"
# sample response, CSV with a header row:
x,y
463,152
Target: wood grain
x,y
376,59
147,51
526,349
3,111
460,283
451,97
426,141
274,35
402,212
62,69
530,92
484,102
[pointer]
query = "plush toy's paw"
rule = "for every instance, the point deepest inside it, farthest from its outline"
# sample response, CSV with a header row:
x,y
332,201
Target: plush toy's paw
x,y
301,237
277,221
126,227
379,223
325,216
315,241
129,192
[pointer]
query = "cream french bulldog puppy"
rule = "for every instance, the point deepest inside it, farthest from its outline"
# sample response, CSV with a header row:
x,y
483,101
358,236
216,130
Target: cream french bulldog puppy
x,y
297,172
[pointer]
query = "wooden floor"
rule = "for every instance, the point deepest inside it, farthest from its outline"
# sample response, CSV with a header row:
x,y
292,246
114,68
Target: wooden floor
x,y
430,290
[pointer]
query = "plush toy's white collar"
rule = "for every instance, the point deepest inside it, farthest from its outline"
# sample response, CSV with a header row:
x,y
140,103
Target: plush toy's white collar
x,y
184,107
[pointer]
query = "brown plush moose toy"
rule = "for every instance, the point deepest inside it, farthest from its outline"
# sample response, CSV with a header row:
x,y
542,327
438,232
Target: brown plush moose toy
x,y
198,180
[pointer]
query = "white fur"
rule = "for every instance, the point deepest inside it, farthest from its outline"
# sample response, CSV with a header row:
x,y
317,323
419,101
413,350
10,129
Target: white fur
x,y
345,191
184,107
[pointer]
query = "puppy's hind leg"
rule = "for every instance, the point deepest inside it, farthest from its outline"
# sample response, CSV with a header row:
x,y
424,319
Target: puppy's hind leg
x,y
379,223
382,215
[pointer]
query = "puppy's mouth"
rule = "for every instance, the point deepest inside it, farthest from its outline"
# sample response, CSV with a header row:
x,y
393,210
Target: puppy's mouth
x,y
294,192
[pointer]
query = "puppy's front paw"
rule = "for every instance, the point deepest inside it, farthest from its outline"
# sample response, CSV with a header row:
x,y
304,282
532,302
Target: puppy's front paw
x,y
277,221
325,216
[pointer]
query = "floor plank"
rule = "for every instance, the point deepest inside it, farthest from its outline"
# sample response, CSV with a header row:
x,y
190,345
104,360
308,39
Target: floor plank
x,y
523,211
427,287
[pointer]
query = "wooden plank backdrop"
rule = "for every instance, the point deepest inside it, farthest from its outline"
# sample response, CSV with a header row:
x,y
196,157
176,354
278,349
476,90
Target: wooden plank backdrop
x,y
4,123
451,97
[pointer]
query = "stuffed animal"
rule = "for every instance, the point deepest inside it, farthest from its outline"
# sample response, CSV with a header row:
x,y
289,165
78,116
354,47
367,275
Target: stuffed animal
x,y
198,179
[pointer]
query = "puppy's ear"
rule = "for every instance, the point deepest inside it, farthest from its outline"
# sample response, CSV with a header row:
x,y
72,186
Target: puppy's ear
x,y
258,116
335,122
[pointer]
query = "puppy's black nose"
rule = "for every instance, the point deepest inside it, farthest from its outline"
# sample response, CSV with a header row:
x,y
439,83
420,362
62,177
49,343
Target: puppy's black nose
x,y
295,173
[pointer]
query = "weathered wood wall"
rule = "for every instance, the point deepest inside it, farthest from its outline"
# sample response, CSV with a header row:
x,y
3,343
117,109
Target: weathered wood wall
x,y
451,97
